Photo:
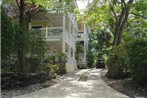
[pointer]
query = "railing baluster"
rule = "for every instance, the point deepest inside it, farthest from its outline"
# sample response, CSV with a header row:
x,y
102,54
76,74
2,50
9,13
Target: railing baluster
x,y
46,35
51,33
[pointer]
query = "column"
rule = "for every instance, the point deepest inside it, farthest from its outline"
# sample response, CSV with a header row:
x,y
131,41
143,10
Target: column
x,y
63,36
85,31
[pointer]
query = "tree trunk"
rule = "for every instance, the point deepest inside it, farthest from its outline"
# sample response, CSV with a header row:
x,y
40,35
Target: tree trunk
x,y
20,49
119,28
120,23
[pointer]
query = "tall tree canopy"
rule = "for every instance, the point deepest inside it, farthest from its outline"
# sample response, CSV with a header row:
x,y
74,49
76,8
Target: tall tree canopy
x,y
124,19
115,15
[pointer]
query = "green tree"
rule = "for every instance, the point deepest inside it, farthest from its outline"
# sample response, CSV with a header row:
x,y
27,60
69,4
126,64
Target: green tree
x,y
137,51
20,34
7,35
119,17
79,49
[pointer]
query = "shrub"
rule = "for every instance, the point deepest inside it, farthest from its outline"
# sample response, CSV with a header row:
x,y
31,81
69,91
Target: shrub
x,y
32,64
57,63
137,51
48,69
62,59
117,62
7,35
55,68
90,59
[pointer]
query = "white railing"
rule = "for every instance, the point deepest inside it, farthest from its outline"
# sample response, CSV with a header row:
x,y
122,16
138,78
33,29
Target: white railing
x,y
66,36
69,38
72,18
72,41
50,34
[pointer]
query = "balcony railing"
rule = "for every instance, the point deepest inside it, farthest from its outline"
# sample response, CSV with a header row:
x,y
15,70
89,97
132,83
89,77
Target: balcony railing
x,y
72,17
69,38
51,34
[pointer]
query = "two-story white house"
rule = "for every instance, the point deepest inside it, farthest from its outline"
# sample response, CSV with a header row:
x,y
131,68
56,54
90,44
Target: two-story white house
x,y
59,30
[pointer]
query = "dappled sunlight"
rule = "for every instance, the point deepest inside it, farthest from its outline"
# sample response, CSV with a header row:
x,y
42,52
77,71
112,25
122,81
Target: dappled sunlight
x,y
78,95
83,85
73,96
69,79
95,74
56,85
70,87
81,71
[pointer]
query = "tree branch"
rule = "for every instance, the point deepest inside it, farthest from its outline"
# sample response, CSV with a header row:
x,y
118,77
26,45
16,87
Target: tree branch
x,y
114,13
123,4
18,3
130,1
142,16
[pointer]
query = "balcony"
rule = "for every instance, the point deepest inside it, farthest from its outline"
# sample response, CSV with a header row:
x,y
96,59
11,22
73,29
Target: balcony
x,y
51,34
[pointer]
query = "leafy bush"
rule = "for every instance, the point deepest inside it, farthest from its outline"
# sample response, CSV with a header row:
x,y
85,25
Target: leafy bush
x,y
90,59
57,63
47,68
62,59
32,44
32,64
117,62
51,59
55,68
137,51
7,37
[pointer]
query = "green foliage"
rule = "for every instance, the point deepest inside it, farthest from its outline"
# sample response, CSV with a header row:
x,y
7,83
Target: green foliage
x,y
100,41
91,53
34,44
62,59
57,63
7,35
137,51
117,62
79,48
104,40
124,27
95,15
90,59
39,2
47,68
32,64
53,5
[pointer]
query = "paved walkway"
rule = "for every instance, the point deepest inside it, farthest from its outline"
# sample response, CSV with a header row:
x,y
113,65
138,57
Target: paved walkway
x,y
70,87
